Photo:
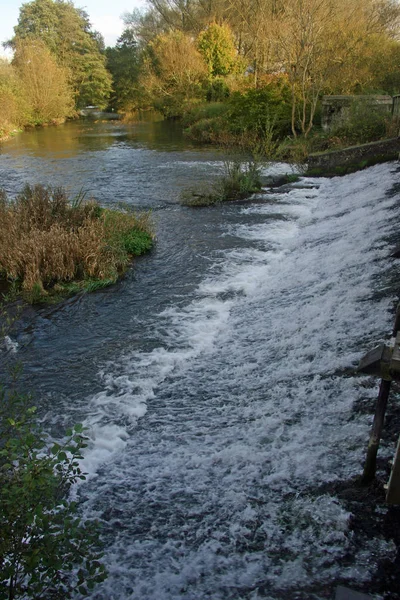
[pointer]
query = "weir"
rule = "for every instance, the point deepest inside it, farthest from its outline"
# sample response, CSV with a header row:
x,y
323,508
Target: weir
x,y
218,380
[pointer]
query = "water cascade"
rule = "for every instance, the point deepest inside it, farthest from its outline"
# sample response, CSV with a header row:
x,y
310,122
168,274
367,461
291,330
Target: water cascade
x,y
218,384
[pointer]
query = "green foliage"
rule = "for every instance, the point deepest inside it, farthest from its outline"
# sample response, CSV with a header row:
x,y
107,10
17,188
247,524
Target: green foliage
x,y
254,120
211,110
217,90
260,110
66,31
123,62
364,122
137,242
239,181
218,50
46,550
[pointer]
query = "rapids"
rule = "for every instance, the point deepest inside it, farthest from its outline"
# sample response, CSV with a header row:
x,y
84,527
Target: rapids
x,y
217,380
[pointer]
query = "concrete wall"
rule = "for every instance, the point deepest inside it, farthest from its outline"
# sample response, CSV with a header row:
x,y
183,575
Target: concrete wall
x,y
338,161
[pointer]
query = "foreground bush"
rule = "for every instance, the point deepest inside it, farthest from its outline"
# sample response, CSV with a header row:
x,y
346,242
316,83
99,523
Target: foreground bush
x,y
46,550
47,242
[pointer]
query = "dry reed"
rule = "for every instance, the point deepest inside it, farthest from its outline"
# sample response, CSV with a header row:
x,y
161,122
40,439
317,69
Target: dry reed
x,y
44,239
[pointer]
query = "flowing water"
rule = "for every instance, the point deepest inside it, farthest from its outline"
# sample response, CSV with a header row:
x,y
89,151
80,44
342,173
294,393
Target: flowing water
x,y
218,378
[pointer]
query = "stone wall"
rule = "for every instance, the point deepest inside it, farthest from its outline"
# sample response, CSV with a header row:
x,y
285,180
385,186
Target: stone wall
x,y
335,109
353,158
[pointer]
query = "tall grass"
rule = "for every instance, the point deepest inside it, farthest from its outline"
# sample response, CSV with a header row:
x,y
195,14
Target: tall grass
x,y
45,240
238,181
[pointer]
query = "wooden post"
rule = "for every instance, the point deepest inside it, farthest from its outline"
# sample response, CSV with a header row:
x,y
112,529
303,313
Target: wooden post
x,y
377,426
396,325
393,487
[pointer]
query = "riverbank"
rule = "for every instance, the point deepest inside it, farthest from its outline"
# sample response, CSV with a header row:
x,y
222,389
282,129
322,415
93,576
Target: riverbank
x,y
10,131
52,247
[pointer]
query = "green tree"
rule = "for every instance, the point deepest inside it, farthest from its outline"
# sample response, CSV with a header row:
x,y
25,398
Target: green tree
x,y
67,32
46,551
217,47
123,62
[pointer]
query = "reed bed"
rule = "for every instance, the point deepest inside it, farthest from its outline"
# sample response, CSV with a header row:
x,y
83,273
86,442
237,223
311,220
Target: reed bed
x,y
47,240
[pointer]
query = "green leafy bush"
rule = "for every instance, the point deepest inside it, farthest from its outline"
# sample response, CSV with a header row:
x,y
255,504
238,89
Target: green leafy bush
x,y
46,549
259,110
364,122
217,91
255,119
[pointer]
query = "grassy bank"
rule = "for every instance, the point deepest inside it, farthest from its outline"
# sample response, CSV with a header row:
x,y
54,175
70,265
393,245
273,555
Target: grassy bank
x,y
259,121
51,247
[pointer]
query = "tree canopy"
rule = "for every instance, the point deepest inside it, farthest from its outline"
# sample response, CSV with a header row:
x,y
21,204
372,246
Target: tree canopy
x,y
217,47
67,33
123,62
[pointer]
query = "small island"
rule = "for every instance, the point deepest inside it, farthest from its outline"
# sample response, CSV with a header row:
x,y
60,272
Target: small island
x,y
52,247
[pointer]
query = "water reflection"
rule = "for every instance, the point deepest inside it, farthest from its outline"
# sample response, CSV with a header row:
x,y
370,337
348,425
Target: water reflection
x,y
75,137
143,163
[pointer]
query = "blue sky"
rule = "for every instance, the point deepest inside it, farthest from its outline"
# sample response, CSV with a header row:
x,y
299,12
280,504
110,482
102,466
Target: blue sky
x,y
104,16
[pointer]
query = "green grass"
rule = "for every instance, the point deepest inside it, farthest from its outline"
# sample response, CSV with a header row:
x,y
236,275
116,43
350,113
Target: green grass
x,y
137,242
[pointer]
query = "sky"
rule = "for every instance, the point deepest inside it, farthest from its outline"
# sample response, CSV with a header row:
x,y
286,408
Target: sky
x,y
105,16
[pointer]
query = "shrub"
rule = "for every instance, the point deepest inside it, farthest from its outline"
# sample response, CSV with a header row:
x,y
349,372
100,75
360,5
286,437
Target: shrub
x,y
208,111
217,91
45,240
46,550
364,122
260,110
254,120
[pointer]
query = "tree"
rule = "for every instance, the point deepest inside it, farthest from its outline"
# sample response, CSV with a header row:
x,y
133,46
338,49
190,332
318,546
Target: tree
x,y
123,62
217,47
173,74
15,111
66,31
318,44
46,551
43,81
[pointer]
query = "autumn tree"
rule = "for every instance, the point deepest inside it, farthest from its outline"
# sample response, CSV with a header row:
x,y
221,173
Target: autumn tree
x,y
217,47
67,33
15,111
318,45
44,83
173,74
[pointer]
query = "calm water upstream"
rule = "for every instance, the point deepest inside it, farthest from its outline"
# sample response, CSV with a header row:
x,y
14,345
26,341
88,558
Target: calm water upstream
x,y
217,379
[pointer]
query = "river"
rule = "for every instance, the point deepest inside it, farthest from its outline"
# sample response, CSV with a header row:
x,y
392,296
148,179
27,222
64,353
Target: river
x,y
217,379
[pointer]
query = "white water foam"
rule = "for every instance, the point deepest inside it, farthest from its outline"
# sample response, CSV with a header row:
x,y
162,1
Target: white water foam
x,y
246,409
